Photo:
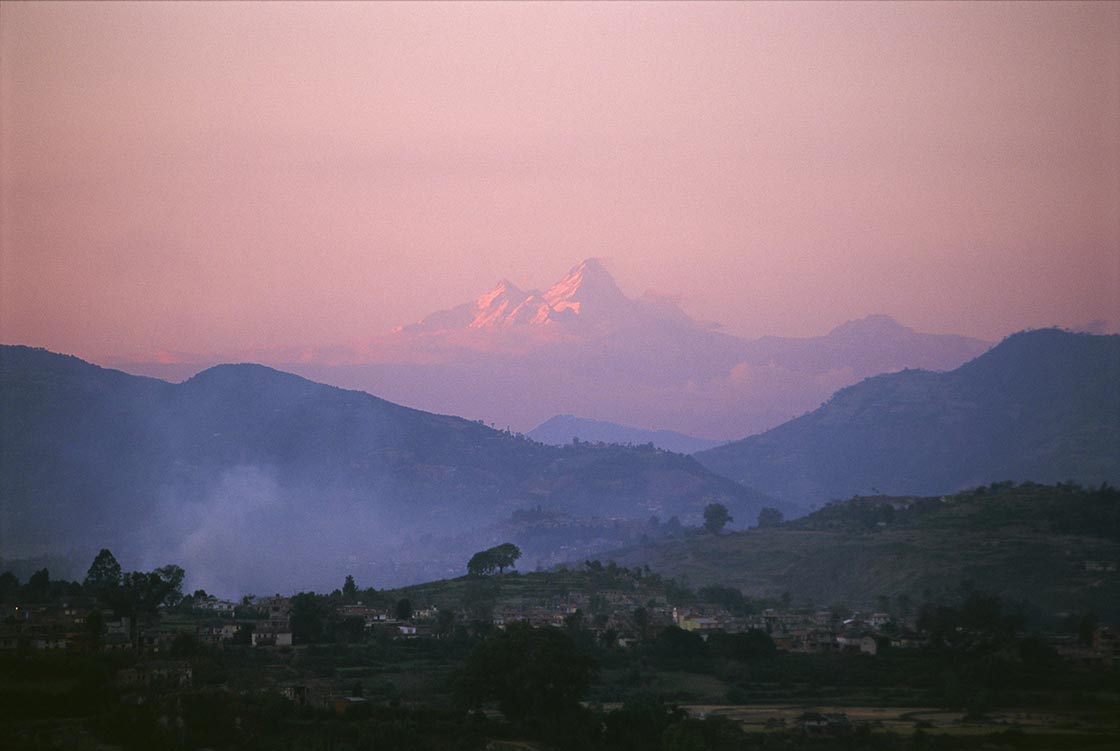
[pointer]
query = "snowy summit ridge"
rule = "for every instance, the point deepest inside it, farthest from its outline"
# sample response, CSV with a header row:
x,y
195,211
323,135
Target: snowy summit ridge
x,y
587,293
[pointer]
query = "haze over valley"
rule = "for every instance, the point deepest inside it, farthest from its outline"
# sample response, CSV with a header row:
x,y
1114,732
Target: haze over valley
x,y
522,376
262,480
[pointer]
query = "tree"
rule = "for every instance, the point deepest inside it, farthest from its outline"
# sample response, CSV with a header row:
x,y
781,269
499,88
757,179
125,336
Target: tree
x,y
481,563
403,610
39,584
1086,629
499,557
770,517
640,722
675,643
574,621
308,618
349,630
9,584
745,645
104,574
534,674
505,555
730,598
171,582
141,593
445,622
641,620
94,625
716,517
349,588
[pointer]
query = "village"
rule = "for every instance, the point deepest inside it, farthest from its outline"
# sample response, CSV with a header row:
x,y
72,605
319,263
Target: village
x,y
130,646
612,617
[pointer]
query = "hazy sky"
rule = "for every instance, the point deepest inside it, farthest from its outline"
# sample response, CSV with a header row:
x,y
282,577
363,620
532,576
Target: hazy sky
x,y
218,176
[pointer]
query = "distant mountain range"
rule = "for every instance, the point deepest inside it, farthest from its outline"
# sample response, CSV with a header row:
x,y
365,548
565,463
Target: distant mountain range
x,y
1041,405
517,357
254,477
563,429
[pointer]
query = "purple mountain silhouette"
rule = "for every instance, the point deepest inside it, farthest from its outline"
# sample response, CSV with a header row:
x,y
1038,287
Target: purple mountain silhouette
x,y
517,357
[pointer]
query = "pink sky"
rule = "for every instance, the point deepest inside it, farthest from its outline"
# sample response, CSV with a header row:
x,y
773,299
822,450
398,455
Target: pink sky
x,y
206,177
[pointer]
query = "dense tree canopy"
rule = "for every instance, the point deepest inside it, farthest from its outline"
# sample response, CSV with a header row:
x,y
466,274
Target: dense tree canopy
x,y
103,575
716,517
499,557
533,674
770,517
143,593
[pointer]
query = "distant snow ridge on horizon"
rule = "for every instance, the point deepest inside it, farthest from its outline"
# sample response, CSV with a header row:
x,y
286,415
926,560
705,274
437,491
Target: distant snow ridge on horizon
x,y
586,294
582,347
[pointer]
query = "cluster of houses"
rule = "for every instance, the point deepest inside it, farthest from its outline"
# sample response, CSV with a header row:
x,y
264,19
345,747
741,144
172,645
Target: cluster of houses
x,y
80,626
791,630
266,622
272,627
808,631
71,627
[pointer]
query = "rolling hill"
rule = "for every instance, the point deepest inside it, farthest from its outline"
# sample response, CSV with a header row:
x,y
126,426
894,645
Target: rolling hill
x,y
261,477
1056,547
1041,405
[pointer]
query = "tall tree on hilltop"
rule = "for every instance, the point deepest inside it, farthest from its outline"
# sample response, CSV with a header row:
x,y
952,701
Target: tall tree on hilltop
x,y
104,574
716,517
506,555
349,588
499,557
481,563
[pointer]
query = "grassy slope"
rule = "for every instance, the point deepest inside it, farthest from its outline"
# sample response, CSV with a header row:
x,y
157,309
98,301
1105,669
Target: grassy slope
x,y
1025,543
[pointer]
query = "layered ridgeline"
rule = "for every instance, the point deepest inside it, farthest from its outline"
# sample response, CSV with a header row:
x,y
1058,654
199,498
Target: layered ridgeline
x,y
264,479
563,429
1041,405
583,347
1056,547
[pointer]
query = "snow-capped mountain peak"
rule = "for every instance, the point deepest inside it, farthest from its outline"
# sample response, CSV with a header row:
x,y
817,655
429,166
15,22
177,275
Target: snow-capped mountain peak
x,y
586,297
495,306
503,290
589,283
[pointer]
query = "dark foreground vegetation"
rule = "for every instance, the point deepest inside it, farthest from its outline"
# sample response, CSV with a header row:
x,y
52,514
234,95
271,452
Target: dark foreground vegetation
x,y
480,663
549,688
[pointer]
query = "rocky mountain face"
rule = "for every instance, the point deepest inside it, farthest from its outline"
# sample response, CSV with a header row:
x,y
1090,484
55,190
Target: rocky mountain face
x,y
1041,405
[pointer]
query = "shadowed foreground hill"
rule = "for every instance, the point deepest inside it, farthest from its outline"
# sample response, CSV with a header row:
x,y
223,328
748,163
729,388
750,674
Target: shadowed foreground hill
x,y
244,466
1054,546
1041,405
